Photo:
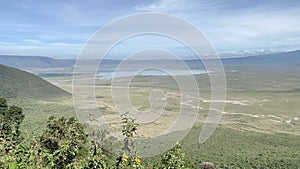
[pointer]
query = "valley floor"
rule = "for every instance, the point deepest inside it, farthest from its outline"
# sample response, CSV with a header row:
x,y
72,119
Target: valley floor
x,y
260,123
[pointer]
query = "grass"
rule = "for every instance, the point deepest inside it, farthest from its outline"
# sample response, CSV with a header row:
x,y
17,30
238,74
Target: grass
x,y
16,83
230,148
37,112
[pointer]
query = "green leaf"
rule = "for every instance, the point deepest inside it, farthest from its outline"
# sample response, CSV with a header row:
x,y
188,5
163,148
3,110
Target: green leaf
x,y
13,165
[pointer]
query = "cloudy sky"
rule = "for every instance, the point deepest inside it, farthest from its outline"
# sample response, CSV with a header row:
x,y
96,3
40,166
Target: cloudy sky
x,y
60,28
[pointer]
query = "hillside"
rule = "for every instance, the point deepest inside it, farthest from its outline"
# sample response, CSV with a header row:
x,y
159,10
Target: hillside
x,y
18,83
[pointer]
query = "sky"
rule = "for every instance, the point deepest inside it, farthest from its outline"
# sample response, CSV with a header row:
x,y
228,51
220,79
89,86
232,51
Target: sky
x,y
61,28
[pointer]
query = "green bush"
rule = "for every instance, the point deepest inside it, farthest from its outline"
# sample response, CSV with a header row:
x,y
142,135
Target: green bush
x,y
173,159
64,145
10,120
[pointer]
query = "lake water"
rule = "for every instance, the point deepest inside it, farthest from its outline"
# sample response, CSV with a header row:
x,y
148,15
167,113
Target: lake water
x,y
110,74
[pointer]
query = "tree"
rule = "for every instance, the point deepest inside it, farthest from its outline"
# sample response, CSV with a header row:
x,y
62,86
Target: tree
x,y
63,141
128,157
10,119
3,105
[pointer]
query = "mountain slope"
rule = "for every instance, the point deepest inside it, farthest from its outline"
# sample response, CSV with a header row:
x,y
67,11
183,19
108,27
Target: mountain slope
x,y
18,83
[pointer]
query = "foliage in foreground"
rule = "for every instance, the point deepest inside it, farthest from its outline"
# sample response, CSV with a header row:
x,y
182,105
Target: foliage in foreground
x,y
64,144
173,159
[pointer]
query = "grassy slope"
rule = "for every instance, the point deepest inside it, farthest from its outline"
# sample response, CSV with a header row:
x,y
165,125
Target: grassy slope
x,y
38,98
16,83
239,145
243,149
37,112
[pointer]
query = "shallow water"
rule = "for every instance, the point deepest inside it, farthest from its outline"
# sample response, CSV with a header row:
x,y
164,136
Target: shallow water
x,y
110,74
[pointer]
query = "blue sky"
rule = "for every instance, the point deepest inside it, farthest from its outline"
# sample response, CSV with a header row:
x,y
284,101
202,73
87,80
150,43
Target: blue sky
x,y
60,28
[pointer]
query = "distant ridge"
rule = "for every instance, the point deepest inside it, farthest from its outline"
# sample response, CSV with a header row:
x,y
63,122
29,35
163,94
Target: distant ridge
x,y
289,58
17,83
35,62
39,62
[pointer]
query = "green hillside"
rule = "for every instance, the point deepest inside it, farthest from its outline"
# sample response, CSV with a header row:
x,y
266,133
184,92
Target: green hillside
x,y
16,83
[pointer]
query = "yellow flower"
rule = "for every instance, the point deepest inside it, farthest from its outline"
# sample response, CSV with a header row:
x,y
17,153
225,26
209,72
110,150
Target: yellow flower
x,y
137,160
124,158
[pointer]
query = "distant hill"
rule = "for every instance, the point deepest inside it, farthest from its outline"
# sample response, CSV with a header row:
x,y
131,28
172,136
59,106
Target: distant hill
x,y
18,83
287,58
35,62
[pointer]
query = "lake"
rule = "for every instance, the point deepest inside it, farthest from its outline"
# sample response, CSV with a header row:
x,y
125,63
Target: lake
x,y
108,74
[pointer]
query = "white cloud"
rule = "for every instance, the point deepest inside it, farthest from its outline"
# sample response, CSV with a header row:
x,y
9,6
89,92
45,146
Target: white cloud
x,y
162,6
32,41
229,25
38,48
251,28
